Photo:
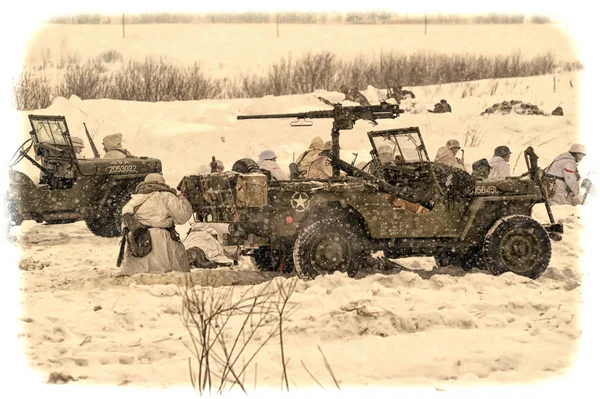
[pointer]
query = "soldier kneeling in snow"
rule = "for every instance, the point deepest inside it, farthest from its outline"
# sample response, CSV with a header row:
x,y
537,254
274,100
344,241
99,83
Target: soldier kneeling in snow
x,y
564,177
156,208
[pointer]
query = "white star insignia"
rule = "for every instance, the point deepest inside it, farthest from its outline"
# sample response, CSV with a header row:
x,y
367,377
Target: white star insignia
x,y
300,202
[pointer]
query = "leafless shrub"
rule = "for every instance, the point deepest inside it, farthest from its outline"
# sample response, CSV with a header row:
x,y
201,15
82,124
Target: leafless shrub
x,y
159,80
473,137
110,56
70,60
198,85
227,333
31,92
314,71
87,81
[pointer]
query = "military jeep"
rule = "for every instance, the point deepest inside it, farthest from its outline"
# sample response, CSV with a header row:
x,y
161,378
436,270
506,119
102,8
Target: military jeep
x,y
404,206
71,189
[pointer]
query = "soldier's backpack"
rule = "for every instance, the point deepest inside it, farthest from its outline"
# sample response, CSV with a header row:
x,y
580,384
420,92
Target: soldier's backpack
x,y
294,172
136,235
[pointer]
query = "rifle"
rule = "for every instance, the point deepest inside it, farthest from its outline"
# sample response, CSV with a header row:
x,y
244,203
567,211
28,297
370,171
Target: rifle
x,y
92,145
344,118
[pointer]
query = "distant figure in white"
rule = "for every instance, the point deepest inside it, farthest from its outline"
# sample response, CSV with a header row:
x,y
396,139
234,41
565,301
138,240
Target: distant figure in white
x,y
447,155
157,205
320,167
499,163
563,170
268,160
114,148
78,146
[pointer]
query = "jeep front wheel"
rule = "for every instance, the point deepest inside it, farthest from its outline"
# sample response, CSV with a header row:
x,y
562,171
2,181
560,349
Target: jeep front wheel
x,y
517,244
105,226
327,246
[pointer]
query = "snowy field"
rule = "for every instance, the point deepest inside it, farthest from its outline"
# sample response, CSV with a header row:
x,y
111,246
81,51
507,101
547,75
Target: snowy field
x,y
443,334
205,44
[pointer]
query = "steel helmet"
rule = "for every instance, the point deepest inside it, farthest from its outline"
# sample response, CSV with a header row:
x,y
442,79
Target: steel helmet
x,y
267,154
578,148
502,151
77,141
452,143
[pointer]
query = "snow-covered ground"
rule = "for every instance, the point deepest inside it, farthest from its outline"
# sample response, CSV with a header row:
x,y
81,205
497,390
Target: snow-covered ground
x,y
450,333
383,330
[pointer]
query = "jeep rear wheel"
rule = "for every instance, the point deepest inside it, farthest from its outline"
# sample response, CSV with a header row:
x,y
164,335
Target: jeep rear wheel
x,y
517,244
327,246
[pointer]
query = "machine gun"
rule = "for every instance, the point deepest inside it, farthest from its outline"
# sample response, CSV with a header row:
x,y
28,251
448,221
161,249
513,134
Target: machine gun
x,y
535,173
344,118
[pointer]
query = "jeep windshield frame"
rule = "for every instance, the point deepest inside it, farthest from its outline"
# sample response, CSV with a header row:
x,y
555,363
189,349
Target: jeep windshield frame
x,y
52,133
398,138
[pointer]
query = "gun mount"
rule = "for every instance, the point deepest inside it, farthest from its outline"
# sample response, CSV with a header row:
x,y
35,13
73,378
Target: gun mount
x,y
343,117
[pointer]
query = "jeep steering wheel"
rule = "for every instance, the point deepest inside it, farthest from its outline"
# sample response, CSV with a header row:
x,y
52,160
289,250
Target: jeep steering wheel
x,y
21,152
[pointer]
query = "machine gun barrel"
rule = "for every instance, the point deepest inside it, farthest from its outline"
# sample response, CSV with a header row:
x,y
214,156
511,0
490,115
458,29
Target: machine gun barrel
x,y
300,115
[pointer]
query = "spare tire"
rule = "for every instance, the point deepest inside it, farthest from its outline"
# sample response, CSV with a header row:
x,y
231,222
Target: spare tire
x,y
246,165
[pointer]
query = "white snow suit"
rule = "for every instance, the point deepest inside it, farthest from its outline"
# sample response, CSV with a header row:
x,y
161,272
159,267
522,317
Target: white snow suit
x,y
276,172
564,169
500,169
159,210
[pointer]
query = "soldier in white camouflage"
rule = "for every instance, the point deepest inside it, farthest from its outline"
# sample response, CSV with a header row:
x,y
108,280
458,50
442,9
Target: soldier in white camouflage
x,y
563,170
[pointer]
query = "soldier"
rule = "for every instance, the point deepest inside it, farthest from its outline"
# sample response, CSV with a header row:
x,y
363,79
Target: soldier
x,y
304,160
113,147
354,95
499,163
441,107
203,247
447,155
268,160
78,146
219,166
386,154
155,204
320,167
399,94
563,170
481,169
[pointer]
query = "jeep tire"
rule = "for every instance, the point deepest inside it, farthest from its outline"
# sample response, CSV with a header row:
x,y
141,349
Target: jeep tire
x,y
517,244
106,225
327,246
